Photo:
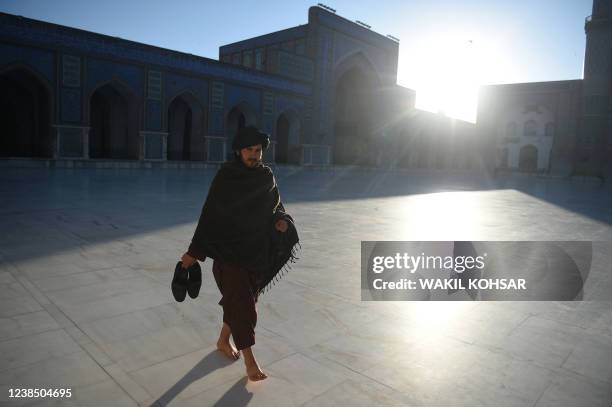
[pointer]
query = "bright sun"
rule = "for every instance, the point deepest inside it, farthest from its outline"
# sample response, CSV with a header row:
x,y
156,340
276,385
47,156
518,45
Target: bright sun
x,y
446,71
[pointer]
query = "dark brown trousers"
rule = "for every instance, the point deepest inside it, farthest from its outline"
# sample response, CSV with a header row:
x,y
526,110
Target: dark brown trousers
x,y
237,287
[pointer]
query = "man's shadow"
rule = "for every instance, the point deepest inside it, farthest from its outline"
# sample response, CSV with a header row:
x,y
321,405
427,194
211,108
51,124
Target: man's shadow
x,y
237,395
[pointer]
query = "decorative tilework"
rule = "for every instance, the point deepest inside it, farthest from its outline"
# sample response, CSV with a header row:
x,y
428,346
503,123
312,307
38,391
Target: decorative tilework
x,y
295,66
39,60
217,96
96,44
154,85
71,71
100,71
236,94
268,104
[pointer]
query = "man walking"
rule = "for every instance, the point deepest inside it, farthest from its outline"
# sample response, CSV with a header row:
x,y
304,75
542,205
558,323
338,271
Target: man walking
x,y
243,227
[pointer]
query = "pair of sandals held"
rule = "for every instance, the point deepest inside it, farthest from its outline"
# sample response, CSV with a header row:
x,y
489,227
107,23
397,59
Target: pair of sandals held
x,y
186,281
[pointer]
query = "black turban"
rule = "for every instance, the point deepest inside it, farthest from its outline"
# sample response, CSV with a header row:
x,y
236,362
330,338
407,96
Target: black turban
x,y
250,136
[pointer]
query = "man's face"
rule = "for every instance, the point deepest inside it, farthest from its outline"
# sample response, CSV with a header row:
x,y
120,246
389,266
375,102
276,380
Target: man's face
x,y
251,156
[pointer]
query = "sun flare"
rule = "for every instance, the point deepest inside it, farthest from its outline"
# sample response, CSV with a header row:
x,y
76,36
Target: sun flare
x,y
446,70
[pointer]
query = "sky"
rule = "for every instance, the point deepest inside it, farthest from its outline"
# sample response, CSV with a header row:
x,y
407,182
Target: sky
x,y
448,48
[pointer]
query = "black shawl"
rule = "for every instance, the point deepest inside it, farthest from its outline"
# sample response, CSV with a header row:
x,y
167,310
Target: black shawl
x,y
237,223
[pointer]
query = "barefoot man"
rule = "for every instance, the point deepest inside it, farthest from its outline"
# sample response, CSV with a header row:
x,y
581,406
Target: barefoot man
x,y
240,227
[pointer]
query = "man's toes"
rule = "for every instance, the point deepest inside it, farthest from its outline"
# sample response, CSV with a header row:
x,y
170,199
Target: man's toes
x,y
258,376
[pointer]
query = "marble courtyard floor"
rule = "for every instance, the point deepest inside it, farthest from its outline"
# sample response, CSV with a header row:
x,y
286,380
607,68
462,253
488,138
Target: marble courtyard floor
x,y
87,255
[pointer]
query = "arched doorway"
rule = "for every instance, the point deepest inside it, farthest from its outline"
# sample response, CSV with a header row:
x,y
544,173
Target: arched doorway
x,y
240,116
354,111
235,121
25,115
528,158
179,130
185,139
113,121
287,137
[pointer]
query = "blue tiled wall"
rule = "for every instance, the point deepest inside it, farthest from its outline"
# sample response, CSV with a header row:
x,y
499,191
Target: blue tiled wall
x,y
175,84
41,61
70,111
236,94
100,71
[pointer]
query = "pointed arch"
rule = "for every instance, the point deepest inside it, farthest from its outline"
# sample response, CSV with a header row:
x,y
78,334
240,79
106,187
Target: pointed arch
x,y
113,115
238,116
186,125
287,137
355,59
26,113
356,109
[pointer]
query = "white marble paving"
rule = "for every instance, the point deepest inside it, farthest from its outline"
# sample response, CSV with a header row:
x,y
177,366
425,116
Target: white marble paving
x,y
86,259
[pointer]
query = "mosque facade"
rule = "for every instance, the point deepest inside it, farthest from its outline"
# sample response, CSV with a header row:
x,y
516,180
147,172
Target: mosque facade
x,y
326,91
321,90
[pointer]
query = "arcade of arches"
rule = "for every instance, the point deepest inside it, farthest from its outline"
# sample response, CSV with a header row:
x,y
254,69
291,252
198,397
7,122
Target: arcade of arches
x,y
113,118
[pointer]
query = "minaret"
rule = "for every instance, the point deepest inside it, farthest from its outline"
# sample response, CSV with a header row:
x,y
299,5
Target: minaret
x,y
594,144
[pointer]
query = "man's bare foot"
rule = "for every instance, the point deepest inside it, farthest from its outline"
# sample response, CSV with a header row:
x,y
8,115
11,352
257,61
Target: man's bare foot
x,y
252,368
255,373
224,345
228,350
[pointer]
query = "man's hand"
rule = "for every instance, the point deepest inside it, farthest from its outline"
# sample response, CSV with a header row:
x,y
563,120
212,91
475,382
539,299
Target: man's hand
x,y
281,225
187,261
